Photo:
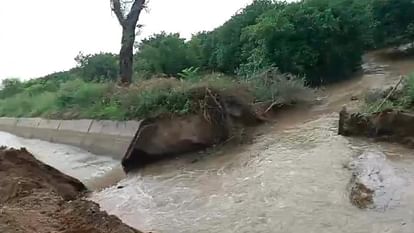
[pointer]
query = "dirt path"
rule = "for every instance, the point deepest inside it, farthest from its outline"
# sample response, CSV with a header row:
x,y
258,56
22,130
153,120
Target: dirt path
x,y
36,198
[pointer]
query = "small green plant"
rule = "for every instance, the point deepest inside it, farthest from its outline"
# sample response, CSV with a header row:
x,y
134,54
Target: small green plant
x,y
191,73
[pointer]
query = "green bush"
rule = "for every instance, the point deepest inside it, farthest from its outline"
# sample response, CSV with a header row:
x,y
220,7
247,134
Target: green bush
x,y
227,53
312,39
10,87
321,40
25,105
394,21
163,53
98,67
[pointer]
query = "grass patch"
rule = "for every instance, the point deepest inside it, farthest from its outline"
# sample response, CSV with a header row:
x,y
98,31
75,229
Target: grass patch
x,y
77,98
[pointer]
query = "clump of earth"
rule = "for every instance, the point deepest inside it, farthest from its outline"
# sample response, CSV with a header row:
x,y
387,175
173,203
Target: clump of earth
x,y
35,197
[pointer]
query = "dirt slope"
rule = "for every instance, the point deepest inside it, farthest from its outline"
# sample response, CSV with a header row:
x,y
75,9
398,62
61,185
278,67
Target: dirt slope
x,y
36,198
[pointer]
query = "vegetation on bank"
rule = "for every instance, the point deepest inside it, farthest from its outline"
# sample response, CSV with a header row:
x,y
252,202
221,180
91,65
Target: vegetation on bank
x,y
320,41
76,98
402,98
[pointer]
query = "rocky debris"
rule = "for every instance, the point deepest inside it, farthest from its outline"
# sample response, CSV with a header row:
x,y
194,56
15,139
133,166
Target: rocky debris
x,y
361,196
164,137
389,125
374,183
354,98
36,198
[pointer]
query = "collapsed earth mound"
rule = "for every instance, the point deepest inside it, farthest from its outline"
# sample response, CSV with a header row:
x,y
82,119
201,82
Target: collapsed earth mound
x,y
388,125
374,183
215,117
37,198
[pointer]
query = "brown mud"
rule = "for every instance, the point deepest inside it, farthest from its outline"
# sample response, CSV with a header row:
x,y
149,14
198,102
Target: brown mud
x,y
35,198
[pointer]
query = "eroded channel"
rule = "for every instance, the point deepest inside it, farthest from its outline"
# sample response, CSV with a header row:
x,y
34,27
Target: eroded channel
x,y
293,181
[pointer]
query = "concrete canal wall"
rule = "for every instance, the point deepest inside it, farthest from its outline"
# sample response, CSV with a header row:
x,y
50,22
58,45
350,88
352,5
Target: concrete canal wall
x,y
99,137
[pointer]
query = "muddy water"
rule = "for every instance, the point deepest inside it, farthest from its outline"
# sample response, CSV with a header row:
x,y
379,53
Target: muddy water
x,y
292,181
94,171
292,178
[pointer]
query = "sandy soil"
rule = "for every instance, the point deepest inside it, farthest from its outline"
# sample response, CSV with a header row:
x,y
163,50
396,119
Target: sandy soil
x,y
36,198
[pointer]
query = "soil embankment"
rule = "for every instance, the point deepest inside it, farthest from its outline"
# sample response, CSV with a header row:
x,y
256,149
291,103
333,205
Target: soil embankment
x,y
163,137
388,125
35,197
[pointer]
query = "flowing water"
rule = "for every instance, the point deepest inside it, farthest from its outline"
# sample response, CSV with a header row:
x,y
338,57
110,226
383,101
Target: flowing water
x,y
94,171
290,181
291,178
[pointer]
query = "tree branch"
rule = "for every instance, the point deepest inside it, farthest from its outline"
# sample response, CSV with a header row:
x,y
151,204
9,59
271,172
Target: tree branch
x,y
116,8
133,15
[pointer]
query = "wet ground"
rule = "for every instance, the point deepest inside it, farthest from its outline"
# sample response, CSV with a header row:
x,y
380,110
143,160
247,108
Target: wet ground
x,y
36,198
94,171
294,177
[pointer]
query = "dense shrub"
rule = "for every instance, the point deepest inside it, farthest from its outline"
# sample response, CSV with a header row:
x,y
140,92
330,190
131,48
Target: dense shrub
x,y
309,39
163,53
10,87
322,40
222,48
98,67
395,21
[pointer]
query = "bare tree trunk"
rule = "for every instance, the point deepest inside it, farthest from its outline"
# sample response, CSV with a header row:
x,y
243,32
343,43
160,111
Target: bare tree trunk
x,y
129,24
126,56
